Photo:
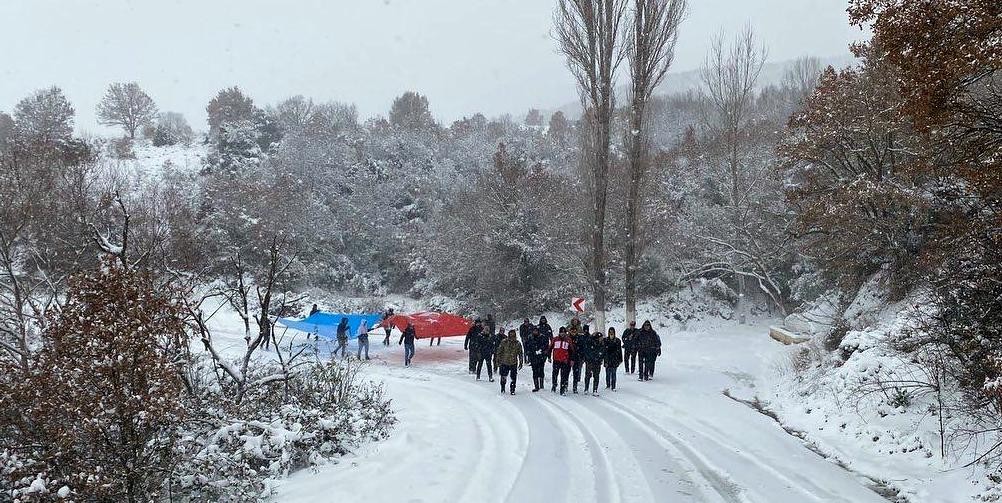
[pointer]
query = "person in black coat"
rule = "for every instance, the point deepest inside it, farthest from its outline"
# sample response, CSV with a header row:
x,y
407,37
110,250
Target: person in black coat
x,y
537,350
612,358
485,348
407,339
649,348
472,343
630,347
577,333
593,351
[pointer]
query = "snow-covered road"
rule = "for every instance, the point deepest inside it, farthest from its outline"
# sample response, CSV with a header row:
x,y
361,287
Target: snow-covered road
x,y
674,439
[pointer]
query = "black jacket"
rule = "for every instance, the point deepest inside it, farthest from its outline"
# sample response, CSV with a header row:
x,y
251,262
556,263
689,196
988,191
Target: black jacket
x,y
613,352
591,348
408,335
630,339
472,341
538,348
648,341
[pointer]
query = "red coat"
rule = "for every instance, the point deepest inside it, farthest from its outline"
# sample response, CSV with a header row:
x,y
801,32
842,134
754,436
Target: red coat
x,y
562,349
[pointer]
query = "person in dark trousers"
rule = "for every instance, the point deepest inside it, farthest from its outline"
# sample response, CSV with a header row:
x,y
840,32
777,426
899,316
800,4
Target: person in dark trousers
x,y
363,339
472,343
592,353
432,341
613,356
342,337
407,339
508,359
544,328
576,333
630,347
561,354
485,356
537,349
387,327
649,348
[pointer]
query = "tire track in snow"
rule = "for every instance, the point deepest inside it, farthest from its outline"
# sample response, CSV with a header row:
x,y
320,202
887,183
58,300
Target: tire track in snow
x,y
603,487
494,437
768,490
548,451
664,476
717,437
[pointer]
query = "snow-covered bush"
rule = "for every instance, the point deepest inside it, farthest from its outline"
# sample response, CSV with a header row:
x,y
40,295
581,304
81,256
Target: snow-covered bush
x,y
234,452
98,408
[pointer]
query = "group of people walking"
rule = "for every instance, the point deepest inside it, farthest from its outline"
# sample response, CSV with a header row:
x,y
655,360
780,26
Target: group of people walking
x,y
572,350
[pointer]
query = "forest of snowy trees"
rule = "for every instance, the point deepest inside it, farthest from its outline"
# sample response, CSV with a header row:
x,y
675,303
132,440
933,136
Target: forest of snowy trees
x,y
779,193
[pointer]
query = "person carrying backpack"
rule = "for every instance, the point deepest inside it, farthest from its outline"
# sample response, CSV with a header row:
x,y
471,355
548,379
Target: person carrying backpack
x,y
561,354
508,359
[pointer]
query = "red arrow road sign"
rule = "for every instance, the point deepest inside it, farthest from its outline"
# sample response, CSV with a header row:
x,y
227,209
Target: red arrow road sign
x,y
578,304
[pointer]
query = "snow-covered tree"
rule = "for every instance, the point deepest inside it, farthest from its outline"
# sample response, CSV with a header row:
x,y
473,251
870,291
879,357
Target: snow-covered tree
x,y
125,104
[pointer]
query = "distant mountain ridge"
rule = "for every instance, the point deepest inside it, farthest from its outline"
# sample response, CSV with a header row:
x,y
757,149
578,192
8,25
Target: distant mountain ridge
x,y
681,82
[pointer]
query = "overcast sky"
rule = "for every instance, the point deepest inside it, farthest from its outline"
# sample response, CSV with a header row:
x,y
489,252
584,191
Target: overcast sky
x,y
492,56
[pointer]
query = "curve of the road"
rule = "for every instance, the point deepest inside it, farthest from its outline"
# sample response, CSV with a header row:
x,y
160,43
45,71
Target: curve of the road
x,y
675,439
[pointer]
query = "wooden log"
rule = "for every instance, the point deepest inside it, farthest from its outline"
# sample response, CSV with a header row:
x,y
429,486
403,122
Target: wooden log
x,y
785,336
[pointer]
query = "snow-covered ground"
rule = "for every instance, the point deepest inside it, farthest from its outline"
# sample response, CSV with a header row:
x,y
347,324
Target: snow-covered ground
x,y
674,439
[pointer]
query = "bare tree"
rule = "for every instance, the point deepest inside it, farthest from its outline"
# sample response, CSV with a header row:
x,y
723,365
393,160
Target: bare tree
x,y
650,52
589,33
730,75
802,76
128,106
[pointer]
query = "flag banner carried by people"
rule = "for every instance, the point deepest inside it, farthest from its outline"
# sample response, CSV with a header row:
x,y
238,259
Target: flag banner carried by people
x,y
429,324
325,324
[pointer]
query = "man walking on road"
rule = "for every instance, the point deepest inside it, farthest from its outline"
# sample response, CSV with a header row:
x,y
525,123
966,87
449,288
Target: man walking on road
x,y
649,346
472,343
509,358
407,339
613,357
561,352
363,339
630,348
485,356
536,350
592,351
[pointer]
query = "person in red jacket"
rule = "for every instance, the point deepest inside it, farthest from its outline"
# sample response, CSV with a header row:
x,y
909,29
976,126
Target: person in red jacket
x,y
561,354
